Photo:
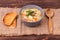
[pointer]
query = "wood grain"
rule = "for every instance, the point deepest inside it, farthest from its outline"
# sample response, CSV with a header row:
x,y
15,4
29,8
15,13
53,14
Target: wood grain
x,y
32,37
50,26
20,3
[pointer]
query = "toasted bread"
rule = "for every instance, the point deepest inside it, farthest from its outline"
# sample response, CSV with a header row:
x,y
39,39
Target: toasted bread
x,y
9,18
13,25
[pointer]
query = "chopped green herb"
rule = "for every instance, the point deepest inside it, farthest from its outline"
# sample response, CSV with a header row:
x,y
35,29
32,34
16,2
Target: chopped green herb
x,y
29,12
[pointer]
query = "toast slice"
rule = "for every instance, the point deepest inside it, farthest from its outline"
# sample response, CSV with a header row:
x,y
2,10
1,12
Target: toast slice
x,y
9,18
13,25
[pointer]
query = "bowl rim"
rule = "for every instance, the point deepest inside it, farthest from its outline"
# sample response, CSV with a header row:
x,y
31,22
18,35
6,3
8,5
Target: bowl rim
x,y
36,6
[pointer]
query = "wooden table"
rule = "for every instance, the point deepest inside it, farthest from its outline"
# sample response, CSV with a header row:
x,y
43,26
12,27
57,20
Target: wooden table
x,y
20,3
22,29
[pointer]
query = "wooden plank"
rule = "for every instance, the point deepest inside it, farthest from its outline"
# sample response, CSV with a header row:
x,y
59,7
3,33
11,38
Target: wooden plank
x,y
20,3
8,1
32,37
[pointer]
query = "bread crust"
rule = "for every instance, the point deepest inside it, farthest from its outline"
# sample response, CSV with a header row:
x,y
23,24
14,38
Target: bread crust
x,y
9,18
14,24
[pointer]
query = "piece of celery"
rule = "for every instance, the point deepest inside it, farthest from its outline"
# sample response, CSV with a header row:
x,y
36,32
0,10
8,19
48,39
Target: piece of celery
x,y
29,12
